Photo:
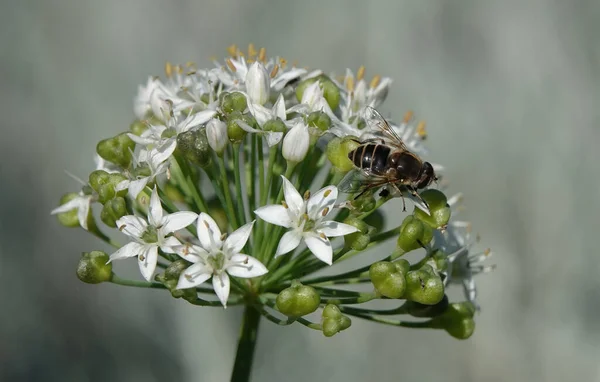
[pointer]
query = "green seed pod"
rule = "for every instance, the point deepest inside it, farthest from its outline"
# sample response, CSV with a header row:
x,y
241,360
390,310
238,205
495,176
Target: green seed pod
x,y
235,101
320,120
414,234
113,210
117,149
424,287
438,207
275,125
365,203
331,93
333,321
457,320
298,300
70,218
338,150
234,131
194,147
93,267
170,278
389,278
416,309
359,240
104,184
137,127
302,87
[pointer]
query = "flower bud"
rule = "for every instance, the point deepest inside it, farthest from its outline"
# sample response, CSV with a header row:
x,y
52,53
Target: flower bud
x,y
457,320
137,127
104,184
216,132
438,207
117,149
302,87
296,143
338,150
416,309
414,234
298,300
113,210
424,287
365,203
235,101
234,131
359,240
331,93
193,144
389,278
93,267
170,278
70,218
275,125
333,321
319,120
257,83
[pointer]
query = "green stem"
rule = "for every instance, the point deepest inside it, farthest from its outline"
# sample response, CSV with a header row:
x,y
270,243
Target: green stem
x,y
135,283
189,182
227,192
238,183
246,345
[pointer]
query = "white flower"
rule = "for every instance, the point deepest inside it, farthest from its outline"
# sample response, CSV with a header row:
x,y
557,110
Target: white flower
x,y
217,258
155,161
296,143
263,115
216,133
313,100
105,165
151,235
81,203
305,218
358,94
257,83
142,101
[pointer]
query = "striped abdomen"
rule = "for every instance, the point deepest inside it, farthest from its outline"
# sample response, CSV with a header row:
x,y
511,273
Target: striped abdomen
x,y
371,157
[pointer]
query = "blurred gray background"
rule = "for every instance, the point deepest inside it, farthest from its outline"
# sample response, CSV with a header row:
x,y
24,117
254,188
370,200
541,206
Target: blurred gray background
x,y
510,91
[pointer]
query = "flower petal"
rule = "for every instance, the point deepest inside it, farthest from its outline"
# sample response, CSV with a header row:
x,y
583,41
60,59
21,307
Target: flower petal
x,y
320,247
275,214
83,212
136,186
221,286
280,81
132,226
273,138
245,266
191,253
293,198
155,210
209,233
322,199
147,261
193,276
289,241
68,206
279,108
246,127
168,244
332,228
259,112
194,120
177,220
238,238
161,153
128,250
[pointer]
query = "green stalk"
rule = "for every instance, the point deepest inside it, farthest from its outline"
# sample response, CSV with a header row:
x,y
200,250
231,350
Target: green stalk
x,y
227,193
244,356
238,183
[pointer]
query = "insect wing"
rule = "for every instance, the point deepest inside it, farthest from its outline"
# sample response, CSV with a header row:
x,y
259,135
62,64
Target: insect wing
x,y
354,181
374,120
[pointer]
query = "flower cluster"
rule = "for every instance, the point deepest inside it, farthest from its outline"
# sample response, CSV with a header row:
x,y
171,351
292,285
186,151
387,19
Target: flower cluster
x,y
247,174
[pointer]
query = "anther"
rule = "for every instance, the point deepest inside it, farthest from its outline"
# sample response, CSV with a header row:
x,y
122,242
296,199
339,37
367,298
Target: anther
x,y
142,258
231,66
274,71
224,236
375,81
327,193
206,224
408,116
262,54
251,50
121,228
325,211
284,204
421,132
323,236
307,195
487,251
283,63
350,84
188,277
168,69
232,49
360,73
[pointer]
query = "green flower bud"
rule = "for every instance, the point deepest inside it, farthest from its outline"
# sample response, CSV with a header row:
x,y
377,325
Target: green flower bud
x,y
438,207
333,321
302,87
170,278
93,267
275,125
416,309
104,184
137,127
113,210
414,234
457,320
365,203
389,278
70,218
117,149
234,131
338,150
424,287
359,240
194,147
298,300
331,93
235,101
320,120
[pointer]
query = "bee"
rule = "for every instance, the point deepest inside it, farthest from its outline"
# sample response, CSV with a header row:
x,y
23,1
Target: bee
x,y
386,162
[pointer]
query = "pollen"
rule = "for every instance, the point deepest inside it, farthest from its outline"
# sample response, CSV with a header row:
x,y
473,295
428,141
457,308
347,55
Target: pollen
x,y
274,71
283,63
168,69
232,50
325,211
350,84
408,116
375,81
121,228
262,55
188,277
230,65
327,193
421,132
252,52
360,74
206,224
307,195
142,258
487,251
284,204
224,236
323,236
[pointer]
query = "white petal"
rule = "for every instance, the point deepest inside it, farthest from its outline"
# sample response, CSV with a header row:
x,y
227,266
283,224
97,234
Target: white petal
x,y
279,108
324,198
246,267
194,276
259,112
197,119
293,198
128,250
257,83
296,143
136,186
320,247
332,228
177,220
68,206
168,244
141,140
238,238
122,185
280,81
207,229
312,93
191,253
155,210
147,261
221,286
275,214
131,225
273,137
162,153
216,134
289,241
246,127
83,212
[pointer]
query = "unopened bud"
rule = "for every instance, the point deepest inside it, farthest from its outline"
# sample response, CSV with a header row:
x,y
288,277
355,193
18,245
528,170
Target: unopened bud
x,y
424,287
333,321
193,144
296,143
216,132
113,210
389,278
258,83
414,234
438,207
298,300
93,267
117,149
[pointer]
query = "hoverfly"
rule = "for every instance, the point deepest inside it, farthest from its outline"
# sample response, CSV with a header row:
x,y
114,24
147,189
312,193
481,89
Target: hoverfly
x,y
381,162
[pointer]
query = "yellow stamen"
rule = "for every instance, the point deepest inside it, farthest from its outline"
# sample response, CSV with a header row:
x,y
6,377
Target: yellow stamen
x,y
325,211
350,84
262,54
168,69
231,66
224,236
274,71
283,63
307,195
121,228
408,116
375,81
421,132
284,204
232,49
179,69
251,50
250,60
142,258
327,193
360,73
187,277
323,236
487,251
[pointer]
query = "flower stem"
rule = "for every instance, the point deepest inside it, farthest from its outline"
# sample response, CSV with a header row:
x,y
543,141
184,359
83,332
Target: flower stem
x,y
246,345
227,192
238,183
